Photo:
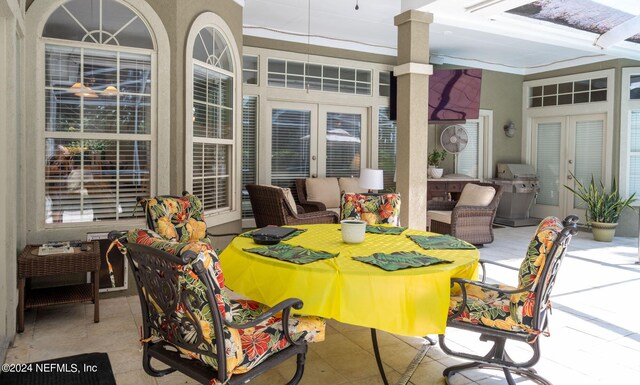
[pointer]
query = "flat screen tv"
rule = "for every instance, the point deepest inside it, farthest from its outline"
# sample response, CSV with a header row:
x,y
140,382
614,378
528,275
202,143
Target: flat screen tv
x,y
454,95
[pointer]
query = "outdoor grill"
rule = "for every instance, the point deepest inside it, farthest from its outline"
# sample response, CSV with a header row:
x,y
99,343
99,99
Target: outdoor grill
x,y
520,186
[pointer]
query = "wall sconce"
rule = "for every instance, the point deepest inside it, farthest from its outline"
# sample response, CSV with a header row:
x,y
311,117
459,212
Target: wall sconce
x,y
510,130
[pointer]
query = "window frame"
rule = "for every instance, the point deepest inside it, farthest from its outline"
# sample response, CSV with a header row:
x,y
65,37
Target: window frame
x,y
627,105
234,212
39,13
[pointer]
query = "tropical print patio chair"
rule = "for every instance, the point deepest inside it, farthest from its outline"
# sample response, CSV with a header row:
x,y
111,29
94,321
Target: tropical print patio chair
x,y
500,312
177,219
190,325
371,208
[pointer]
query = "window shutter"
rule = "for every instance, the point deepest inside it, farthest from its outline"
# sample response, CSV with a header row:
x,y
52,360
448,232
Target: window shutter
x,y
290,137
548,159
387,148
589,149
343,137
249,149
634,156
467,160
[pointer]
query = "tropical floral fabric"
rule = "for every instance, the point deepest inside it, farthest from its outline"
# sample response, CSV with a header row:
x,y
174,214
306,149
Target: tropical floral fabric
x,y
177,219
295,254
513,312
440,242
263,340
373,209
244,348
400,260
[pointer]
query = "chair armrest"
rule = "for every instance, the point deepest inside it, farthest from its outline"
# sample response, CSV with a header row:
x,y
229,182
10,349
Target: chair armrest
x,y
313,217
311,206
484,262
475,211
222,235
284,307
441,205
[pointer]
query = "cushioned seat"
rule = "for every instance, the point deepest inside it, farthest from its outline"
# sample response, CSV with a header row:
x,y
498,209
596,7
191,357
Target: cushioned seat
x,y
320,194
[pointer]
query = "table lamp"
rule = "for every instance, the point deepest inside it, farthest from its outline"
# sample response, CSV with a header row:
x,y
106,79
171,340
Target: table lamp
x,y
371,179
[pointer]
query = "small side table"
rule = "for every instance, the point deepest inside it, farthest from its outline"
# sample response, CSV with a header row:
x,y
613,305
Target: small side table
x,y
30,265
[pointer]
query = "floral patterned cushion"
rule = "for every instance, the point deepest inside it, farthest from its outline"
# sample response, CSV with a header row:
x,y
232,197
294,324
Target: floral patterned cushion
x,y
267,338
177,219
373,209
513,312
245,348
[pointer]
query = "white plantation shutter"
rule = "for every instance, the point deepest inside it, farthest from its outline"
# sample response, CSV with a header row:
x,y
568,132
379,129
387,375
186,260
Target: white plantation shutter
x,y
97,133
343,136
249,149
290,138
634,156
212,130
589,149
467,161
387,139
548,159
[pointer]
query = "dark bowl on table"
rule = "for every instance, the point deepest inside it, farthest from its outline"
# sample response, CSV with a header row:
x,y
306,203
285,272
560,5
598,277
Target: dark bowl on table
x,y
265,240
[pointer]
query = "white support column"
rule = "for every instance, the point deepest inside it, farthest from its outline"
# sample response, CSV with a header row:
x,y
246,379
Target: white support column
x,y
413,72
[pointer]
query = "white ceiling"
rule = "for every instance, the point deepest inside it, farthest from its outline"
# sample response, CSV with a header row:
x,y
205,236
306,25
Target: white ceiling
x,y
474,33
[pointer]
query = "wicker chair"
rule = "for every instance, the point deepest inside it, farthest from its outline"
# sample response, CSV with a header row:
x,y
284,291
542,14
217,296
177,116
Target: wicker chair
x,y
190,325
270,207
500,312
473,224
308,206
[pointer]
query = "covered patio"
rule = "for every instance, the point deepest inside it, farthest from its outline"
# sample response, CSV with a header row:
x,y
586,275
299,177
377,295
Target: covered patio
x,y
595,336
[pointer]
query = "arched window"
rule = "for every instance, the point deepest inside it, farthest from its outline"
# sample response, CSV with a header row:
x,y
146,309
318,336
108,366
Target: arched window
x,y
99,131
212,138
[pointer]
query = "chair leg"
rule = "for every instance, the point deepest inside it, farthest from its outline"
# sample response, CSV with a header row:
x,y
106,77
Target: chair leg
x,y
299,369
149,369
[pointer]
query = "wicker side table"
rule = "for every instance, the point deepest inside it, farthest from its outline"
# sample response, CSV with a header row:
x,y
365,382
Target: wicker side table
x,y
30,265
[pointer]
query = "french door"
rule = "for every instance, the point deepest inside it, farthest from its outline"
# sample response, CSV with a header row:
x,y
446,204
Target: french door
x,y
311,140
563,146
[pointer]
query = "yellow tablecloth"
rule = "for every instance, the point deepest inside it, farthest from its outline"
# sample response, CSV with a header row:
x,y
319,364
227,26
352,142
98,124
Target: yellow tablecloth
x,y
410,302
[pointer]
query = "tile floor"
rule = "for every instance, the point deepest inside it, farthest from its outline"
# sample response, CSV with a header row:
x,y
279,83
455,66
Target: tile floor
x,y
595,333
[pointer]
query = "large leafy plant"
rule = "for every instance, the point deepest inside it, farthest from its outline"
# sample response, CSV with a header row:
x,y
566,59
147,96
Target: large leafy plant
x,y
602,206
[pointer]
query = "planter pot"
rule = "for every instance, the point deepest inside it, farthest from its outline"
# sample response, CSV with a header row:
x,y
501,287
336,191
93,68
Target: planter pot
x,y
436,172
603,232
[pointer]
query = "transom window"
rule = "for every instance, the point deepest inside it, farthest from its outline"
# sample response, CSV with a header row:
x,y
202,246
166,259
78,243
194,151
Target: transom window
x,y
319,77
580,91
213,126
98,100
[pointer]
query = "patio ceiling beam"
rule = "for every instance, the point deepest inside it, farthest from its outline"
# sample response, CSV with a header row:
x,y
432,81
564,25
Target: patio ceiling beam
x,y
494,7
618,33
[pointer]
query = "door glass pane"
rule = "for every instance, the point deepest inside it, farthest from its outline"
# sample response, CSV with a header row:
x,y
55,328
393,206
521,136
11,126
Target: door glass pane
x,y
387,131
467,159
548,163
290,137
634,158
343,138
589,142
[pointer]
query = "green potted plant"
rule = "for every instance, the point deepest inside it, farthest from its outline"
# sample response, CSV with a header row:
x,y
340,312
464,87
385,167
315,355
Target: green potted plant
x,y
434,159
603,208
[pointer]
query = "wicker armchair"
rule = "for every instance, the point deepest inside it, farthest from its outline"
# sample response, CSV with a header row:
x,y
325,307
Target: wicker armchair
x,y
301,192
270,207
501,313
189,324
473,224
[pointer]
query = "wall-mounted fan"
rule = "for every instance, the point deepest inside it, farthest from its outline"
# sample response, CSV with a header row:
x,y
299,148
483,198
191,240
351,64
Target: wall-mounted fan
x,y
454,138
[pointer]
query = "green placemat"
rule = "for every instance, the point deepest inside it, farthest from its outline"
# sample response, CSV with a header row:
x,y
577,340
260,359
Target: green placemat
x,y
400,260
288,253
390,230
439,242
249,234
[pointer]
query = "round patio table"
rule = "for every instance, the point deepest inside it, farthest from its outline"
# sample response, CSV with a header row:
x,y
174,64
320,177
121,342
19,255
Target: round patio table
x,y
410,302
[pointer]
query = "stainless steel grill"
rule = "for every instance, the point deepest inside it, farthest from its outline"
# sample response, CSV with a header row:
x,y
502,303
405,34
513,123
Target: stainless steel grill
x,y
520,186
